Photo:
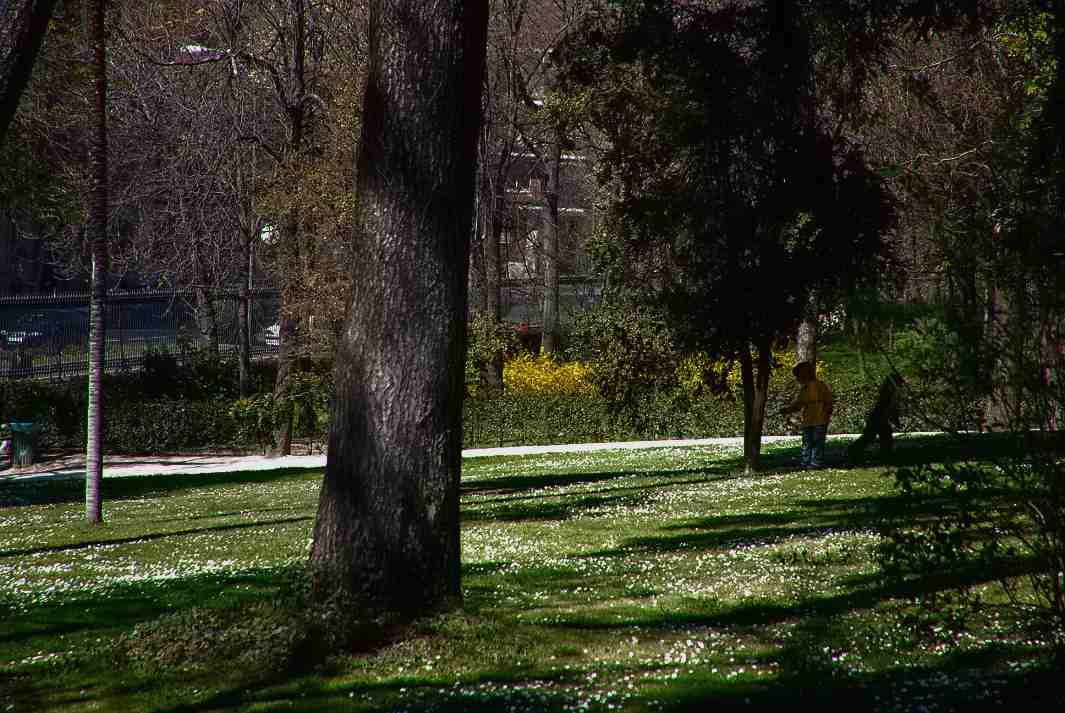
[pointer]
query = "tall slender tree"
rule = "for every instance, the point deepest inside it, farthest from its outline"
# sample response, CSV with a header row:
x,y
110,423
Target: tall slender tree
x,y
97,229
550,247
387,531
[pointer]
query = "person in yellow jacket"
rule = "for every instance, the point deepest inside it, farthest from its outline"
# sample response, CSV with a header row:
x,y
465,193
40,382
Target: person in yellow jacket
x,y
815,400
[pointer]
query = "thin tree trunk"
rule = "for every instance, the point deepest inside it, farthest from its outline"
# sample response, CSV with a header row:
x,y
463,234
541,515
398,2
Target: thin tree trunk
x,y
387,531
478,239
206,315
23,26
98,239
993,330
493,282
288,330
244,317
806,339
288,326
754,370
485,263
288,334
549,342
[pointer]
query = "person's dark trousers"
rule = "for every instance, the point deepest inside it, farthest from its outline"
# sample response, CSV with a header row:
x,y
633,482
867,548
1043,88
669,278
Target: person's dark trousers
x,y
813,446
881,432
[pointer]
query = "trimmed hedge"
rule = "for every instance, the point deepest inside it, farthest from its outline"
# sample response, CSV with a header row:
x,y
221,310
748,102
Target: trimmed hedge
x,y
172,408
130,425
540,420
167,425
168,406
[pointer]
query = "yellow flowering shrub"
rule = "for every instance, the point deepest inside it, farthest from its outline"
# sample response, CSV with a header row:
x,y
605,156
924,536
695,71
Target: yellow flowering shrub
x,y
529,374
693,368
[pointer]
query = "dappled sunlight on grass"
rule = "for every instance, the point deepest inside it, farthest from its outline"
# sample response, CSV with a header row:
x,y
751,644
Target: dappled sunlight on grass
x,y
611,580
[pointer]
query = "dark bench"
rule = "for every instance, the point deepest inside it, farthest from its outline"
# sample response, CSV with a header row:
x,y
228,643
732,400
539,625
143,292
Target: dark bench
x,y
23,439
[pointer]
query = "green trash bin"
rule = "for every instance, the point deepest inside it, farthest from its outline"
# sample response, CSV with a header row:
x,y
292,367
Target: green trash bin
x,y
23,442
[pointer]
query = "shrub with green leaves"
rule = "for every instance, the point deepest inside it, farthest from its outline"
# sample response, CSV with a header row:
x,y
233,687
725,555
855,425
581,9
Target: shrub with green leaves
x,y
486,340
632,354
943,372
1002,524
166,425
305,405
195,374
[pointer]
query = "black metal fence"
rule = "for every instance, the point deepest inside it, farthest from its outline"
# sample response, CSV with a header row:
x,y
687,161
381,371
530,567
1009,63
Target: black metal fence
x,y
46,336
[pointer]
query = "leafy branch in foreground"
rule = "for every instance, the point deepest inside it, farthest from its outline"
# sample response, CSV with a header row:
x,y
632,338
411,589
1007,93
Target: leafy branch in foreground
x,y
962,525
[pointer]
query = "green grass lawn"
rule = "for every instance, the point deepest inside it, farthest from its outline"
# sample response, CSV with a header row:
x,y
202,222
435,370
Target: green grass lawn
x,y
659,580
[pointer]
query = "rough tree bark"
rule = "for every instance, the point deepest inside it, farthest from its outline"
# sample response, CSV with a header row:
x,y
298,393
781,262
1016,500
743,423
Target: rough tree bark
x,y
387,531
97,229
755,370
23,25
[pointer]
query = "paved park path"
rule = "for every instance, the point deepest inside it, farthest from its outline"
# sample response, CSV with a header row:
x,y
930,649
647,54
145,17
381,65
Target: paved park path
x,y
73,467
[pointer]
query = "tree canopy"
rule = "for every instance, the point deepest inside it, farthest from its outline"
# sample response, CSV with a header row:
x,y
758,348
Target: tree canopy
x,y
730,196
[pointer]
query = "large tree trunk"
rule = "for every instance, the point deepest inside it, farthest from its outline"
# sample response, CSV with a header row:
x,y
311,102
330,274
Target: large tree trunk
x,y
98,239
387,532
23,25
549,342
754,369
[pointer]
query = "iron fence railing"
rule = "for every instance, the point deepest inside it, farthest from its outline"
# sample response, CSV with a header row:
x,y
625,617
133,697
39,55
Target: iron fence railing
x,y
46,336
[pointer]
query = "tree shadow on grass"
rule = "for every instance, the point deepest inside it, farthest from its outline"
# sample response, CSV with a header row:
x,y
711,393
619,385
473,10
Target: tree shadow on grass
x,y
517,485
953,684
126,604
54,492
231,513
502,693
806,666
519,498
910,451
804,675
811,518
560,508
149,537
563,505
94,624
915,689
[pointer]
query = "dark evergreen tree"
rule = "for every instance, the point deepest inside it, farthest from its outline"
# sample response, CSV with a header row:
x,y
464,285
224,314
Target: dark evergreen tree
x,y
732,199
